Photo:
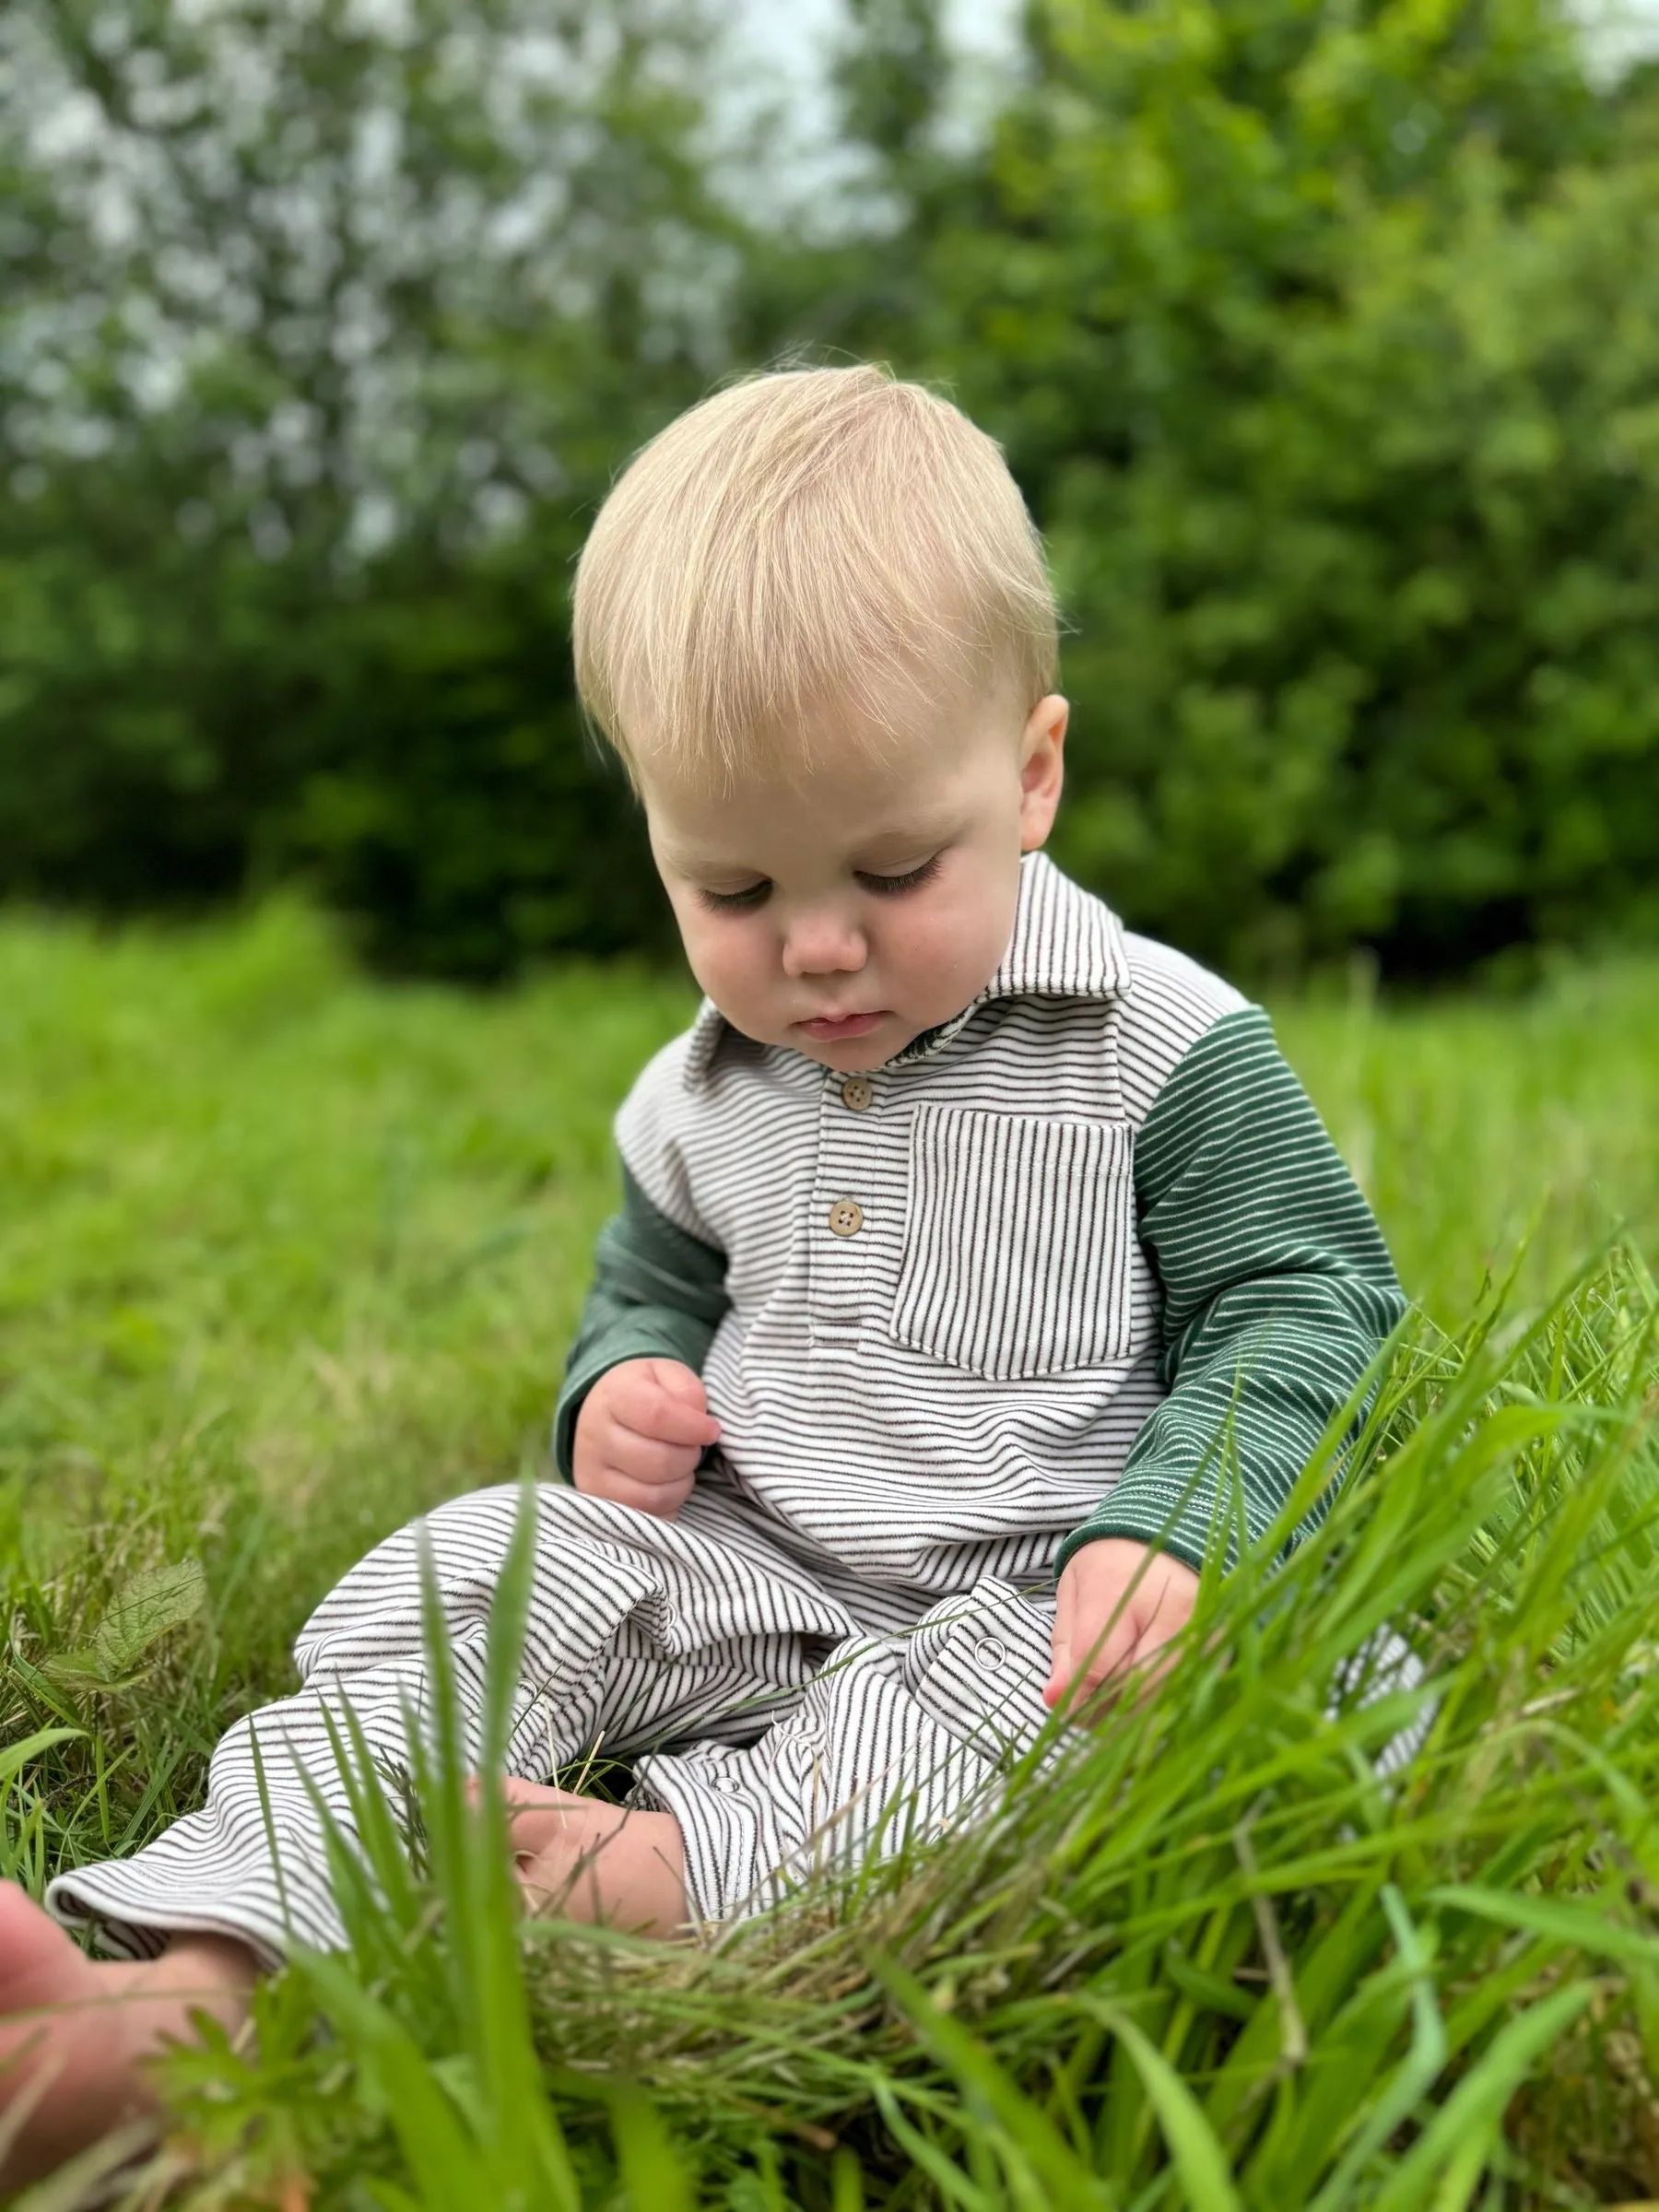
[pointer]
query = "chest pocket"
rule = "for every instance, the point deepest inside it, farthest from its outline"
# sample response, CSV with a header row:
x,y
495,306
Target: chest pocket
x,y
1018,1241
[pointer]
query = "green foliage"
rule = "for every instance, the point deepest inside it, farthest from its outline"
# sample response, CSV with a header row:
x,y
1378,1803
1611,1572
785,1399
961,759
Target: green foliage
x,y
156,1599
283,1260
322,337
1324,342
285,1257
891,76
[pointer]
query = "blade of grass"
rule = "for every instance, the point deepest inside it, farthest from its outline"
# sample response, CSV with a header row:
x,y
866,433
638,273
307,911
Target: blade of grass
x,y
1051,2159
1197,2157
1451,2154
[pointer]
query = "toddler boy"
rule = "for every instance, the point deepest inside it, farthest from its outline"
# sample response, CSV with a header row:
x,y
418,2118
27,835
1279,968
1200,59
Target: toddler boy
x,y
967,1244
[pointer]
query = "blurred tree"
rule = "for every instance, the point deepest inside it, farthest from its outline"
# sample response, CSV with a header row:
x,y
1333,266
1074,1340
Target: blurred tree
x,y
891,74
850,274
1323,338
324,327
1323,341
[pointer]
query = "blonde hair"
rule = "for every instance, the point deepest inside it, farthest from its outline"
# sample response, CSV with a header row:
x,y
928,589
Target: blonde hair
x,y
806,542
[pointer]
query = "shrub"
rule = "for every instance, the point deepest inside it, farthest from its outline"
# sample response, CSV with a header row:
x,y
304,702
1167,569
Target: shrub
x,y
1324,342
1326,347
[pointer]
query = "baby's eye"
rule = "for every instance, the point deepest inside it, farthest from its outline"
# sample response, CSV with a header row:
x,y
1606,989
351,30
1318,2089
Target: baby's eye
x,y
736,902
912,880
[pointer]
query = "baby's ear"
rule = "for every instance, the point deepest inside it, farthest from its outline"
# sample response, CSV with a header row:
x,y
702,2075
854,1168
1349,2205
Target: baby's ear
x,y
1041,768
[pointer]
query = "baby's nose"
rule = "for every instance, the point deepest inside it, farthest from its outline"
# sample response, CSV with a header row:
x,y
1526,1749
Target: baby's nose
x,y
823,945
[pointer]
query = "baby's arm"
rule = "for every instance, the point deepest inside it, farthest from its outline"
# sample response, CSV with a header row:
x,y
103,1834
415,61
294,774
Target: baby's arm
x,y
632,1419
1277,1293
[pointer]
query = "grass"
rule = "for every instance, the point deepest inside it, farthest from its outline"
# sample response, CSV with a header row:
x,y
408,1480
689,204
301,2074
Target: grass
x,y
284,1257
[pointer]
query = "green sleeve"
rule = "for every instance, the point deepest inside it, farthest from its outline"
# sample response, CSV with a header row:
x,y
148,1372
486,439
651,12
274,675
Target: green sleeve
x,y
657,1293
1277,1288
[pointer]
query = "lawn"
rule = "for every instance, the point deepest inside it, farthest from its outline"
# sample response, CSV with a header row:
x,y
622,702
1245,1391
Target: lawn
x,y
285,1256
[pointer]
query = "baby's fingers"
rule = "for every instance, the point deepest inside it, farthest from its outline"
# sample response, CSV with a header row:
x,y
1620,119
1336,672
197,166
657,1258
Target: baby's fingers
x,y
649,1458
663,1497
675,1413
1089,1678
1060,1654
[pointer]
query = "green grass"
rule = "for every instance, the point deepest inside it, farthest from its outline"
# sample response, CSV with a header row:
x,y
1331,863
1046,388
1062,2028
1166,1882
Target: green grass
x,y
285,1256
1476,1126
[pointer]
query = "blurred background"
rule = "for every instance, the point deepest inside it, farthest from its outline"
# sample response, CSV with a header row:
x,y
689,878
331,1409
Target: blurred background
x,y
1321,334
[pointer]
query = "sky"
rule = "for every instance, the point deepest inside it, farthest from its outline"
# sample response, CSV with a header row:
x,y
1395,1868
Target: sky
x,y
794,32
790,41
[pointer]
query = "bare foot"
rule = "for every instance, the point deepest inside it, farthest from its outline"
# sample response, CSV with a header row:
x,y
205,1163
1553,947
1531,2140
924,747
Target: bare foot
x,y
584,1859
74,2032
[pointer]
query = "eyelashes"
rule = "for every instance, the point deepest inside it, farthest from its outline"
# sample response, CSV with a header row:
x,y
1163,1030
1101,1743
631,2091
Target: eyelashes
x,y
889,887
734,902
756,894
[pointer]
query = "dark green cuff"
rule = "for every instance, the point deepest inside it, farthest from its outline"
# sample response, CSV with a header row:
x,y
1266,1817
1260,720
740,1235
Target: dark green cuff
x,y
658,1293
1189,1520
642,1334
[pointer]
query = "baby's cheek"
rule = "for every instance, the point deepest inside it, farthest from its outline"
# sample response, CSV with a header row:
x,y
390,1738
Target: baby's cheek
x,y
951,953
728,965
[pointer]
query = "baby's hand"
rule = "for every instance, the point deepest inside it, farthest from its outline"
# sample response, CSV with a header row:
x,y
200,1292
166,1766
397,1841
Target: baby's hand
x,y
641,1432
1091,1649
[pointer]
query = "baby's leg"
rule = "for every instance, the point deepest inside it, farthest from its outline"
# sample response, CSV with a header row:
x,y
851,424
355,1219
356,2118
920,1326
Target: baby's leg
x,y
628,1640
253,1863
897,1739
200,1911
74,2032
614,1651
75,2035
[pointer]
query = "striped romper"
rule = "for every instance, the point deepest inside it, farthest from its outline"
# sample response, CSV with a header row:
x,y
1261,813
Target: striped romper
x,y
956,1317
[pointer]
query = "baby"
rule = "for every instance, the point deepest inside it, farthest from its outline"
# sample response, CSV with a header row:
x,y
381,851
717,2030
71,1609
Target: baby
x,y
981,1270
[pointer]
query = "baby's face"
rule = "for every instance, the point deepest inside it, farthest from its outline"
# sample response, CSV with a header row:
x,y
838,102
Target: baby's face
x,y
844,912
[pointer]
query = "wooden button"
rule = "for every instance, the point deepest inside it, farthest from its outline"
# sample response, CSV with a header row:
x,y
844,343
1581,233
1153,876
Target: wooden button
x,y
846,1217
858,1092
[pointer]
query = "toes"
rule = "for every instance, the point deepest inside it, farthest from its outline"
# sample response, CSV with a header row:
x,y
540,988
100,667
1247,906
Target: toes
x,y
39,1961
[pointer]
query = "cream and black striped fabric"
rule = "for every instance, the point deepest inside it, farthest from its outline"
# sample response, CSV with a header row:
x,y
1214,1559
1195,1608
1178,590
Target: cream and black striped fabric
x,y
1052,1274
1108,1267
782,1734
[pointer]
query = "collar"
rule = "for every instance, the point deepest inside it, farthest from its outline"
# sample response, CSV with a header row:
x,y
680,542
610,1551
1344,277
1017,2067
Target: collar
x,y
1066,944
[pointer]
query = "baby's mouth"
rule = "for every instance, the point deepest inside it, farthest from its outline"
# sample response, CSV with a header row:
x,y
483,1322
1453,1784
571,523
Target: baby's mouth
x,y
825,1028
